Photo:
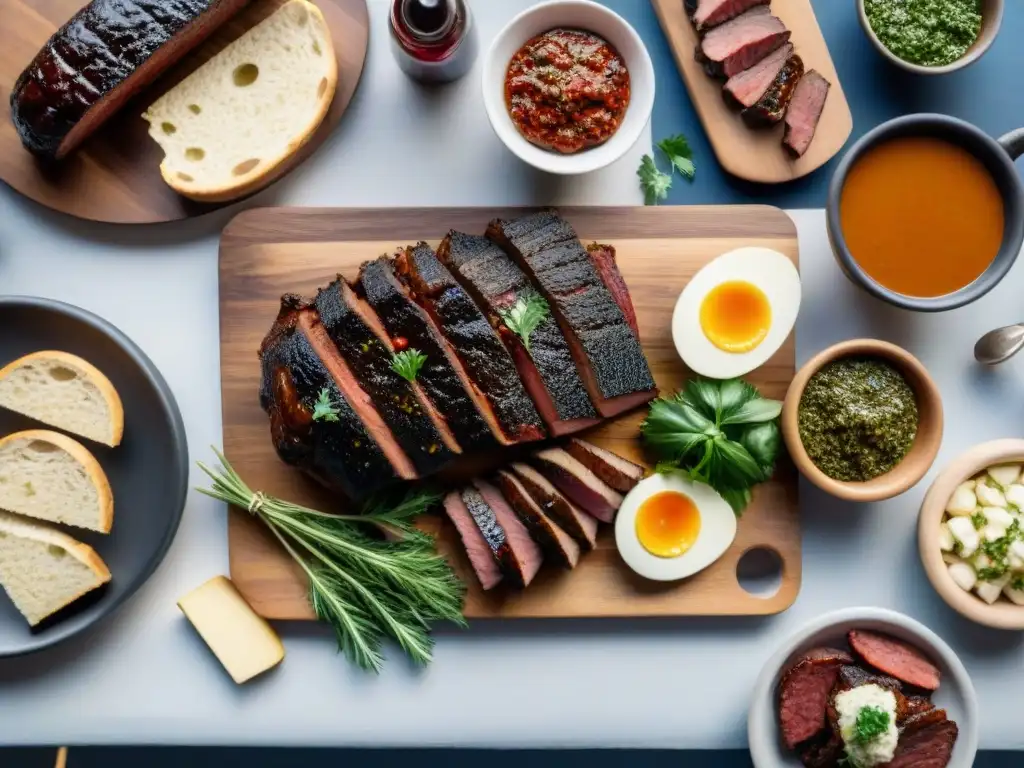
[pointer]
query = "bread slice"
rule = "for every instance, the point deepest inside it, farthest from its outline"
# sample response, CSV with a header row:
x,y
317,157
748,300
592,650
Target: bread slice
x,y
51,477
228,127
43,570
65,392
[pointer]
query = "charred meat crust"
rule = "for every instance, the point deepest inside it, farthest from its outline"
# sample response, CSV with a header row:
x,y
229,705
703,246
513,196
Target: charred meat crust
x,y
495,536
478,548
527,553
577,523
555,542
603,259
771,107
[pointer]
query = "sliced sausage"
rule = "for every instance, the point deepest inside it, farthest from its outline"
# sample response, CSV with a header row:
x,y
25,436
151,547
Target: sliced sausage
x,y
896,658
804,693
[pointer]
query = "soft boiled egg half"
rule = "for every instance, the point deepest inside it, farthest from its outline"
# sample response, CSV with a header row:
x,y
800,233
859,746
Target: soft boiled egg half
x,y
669,528
736,312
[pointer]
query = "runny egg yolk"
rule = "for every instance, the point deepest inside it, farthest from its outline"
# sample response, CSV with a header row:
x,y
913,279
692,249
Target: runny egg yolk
x,y
735,316
667,524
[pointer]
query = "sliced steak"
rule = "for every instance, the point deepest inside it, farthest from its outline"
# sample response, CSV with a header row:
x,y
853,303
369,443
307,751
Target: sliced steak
x,y
556,543
341,453
739,44
443,377
482,352
606,350
105,54
356,332
771,107
804,112
804,694
513,569
926,744
574,521
482,555
746,89
613,470
528,552
582,486
896,658
711,13
546,367
603,259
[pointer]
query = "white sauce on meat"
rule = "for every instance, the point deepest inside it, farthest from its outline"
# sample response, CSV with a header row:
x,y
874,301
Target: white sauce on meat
x,y
880,749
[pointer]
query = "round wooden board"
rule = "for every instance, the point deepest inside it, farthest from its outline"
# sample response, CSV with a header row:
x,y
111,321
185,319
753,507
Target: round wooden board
x,y
115,176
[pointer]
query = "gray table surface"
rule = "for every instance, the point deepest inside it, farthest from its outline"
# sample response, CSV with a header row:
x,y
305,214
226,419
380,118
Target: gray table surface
x,y
144,677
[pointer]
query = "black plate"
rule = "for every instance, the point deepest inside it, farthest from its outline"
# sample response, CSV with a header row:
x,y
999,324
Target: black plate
x,y
148,471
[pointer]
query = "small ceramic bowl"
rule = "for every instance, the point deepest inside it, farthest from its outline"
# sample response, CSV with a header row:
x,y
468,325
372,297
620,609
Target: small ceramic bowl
x,y
991,21
956,692
570,14
922,454
1003,614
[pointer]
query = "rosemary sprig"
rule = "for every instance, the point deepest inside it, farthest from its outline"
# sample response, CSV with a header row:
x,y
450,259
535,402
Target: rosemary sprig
x,y
408,364
523,317
324,409
364,585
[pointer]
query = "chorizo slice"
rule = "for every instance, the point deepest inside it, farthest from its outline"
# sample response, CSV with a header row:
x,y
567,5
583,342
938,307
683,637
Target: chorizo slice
x,y
895,658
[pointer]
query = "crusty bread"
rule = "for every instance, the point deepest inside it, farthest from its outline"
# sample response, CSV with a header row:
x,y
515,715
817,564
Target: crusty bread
x,y
65,392
228,127
51,477
43,570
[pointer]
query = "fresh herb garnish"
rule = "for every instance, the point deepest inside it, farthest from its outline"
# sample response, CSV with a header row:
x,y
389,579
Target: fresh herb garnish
x,y
1018,583
978,520
408,364
324,409
997,549
677,150
993,572
656,184
723,434
365,585
524,317
872,722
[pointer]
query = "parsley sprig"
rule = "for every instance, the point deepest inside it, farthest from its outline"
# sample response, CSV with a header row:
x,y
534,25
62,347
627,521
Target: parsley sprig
x,y
525,316
324,409
408,364
656,184
872,722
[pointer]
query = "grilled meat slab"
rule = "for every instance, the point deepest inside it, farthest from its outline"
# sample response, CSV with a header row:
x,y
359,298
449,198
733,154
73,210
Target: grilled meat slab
x,y
106,53
574,521
746,89
771,107
604,346
443,377
739,44
555,542
804,112
603,259
483,354
547,369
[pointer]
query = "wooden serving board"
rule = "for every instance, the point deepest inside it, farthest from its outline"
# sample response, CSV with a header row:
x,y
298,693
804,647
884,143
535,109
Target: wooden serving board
x,y
266,253
758,155
115,176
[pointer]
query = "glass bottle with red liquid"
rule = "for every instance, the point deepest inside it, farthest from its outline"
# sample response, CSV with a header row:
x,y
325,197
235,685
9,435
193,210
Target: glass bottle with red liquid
x,y
434,41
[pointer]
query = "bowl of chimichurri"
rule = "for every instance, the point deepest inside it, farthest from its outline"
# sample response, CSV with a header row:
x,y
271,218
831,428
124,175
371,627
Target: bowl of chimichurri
x,y
931,37
863,420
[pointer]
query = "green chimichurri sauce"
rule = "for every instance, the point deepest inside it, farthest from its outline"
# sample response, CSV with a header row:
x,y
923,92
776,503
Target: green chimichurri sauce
x,y
931,33
858,419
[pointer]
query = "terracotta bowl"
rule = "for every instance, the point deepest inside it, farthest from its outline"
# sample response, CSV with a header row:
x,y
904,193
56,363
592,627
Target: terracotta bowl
x,y
929,431
1004,614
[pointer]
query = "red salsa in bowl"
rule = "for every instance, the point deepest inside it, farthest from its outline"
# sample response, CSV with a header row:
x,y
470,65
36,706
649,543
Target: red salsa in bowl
x,y
567,90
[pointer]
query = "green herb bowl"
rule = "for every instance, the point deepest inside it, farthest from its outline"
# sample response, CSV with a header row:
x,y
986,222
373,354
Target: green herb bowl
x,y
918,460
991,21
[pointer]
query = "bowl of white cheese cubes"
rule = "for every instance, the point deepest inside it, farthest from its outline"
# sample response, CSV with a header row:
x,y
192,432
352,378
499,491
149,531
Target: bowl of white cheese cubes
x,y
971,534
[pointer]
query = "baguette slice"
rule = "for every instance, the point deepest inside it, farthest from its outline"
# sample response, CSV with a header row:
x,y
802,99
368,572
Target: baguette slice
x,y
65,392
51,477
227,129
44,570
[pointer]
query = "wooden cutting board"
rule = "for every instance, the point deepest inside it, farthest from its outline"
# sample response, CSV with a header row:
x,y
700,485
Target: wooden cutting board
x,y
266,253
115,176
757,155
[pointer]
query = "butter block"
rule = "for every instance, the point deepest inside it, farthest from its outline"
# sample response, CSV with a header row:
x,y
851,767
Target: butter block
x,y
244,643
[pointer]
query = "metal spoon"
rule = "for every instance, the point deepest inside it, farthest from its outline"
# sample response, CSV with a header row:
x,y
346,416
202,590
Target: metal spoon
x,y
999,345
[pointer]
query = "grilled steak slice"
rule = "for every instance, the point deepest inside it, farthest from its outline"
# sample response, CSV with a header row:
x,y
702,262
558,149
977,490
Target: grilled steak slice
x,y
477,344
603,259
578,524
106,53
927,743
484,543
342,454
494,534
527,553
771,107
443,377
605,348
369,354
804,112
556,543
577,482
614,471
739,44
896,658
746,89
546,368
711,13
916,705
804,694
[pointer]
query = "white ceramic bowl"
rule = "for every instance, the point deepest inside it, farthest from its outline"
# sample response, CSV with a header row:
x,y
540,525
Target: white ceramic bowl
x,y
956,692
571,14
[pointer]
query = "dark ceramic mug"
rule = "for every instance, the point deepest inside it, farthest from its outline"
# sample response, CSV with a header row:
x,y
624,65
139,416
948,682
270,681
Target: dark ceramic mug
x,y
997,156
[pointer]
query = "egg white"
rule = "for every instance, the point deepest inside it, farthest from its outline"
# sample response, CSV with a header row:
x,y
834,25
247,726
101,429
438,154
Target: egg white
x,y
774,274
717,530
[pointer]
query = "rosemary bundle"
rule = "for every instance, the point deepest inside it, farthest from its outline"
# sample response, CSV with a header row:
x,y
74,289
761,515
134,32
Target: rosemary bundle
x,y
365,585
